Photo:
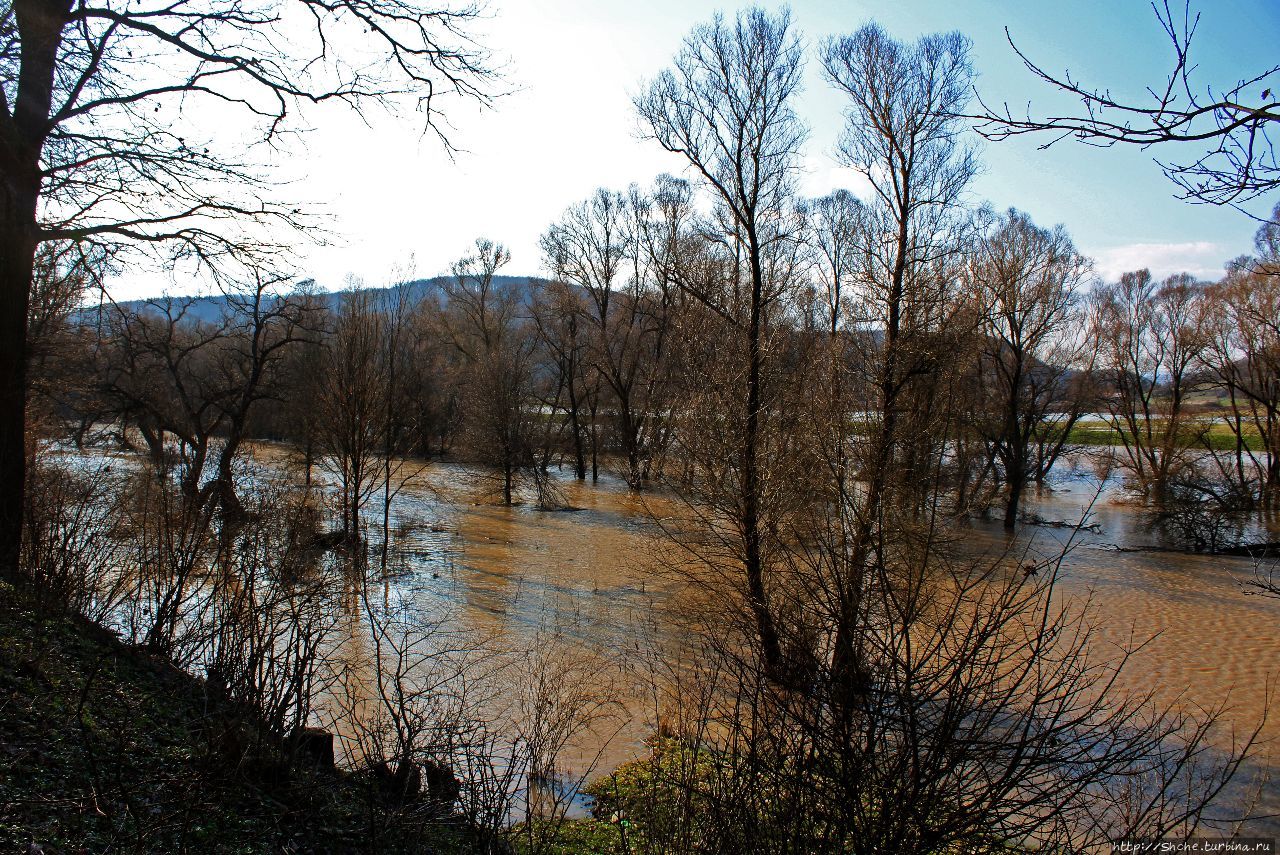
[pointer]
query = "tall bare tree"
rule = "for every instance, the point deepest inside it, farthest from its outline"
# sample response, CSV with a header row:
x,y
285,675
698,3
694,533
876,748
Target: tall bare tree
x,y
400,370
560,315
350,429
172,376
727,106
266,325
903,135
485,320
1150,339
1242,352
836,221
160,372
588,248
664,227
599,246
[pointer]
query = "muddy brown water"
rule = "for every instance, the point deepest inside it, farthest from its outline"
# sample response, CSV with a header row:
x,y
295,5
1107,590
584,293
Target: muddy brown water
x,y
589,574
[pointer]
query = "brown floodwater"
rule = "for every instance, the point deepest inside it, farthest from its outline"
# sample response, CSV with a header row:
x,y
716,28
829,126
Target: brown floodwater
x,y
589,574
1207,641
588,580
582,579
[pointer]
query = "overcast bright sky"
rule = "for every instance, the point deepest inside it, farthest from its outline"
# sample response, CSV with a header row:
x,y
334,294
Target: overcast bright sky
x,y
569,127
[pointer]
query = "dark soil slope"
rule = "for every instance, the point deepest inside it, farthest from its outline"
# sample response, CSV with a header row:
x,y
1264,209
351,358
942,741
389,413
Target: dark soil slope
x,y
103,749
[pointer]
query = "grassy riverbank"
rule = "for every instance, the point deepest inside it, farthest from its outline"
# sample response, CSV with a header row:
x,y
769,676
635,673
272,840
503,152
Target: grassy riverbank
x,y
103,748
1217,437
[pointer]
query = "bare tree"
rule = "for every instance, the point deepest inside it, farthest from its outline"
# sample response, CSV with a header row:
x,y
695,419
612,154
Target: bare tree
x,y
589,248
399,366
161,372
561,319
1242,351
902,135
101,143
1231,124
351,430
1024,282
1150,339
726,105
60,344
990,714
302,381
265,325
664,226
835,221
598,246
484,319
170,374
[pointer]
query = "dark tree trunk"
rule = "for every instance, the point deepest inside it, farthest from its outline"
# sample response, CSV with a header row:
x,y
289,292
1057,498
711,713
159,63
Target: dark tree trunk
x,y
1017,482
770,643
631,436
575,423
22,137
595,447
17,254
847,666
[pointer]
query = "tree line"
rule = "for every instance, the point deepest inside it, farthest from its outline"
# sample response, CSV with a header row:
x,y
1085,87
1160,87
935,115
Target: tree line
x,y
607,364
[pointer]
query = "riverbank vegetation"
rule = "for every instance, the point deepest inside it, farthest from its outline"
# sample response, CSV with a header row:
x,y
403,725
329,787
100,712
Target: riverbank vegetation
x,y
830,389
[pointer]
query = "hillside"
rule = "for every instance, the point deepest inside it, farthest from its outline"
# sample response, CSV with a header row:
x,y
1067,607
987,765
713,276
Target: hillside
x,y
103,748
210,308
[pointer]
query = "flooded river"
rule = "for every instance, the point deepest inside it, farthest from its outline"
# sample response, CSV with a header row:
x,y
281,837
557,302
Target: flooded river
x,y
588,576
591,573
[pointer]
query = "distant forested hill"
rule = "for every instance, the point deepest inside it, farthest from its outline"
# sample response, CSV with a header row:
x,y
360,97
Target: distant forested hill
x,y
210,308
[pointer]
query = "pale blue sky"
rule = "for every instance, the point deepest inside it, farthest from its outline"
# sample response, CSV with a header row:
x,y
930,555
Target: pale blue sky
x,y
570,128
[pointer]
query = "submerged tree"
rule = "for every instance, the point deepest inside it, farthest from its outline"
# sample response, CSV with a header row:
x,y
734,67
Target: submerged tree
x,y
599,247
1150,337
484,320
560,316
1242,352
1024,282
351,404
173,376
588,248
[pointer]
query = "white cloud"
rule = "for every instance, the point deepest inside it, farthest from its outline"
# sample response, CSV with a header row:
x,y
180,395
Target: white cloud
x,y
821,176
1203,259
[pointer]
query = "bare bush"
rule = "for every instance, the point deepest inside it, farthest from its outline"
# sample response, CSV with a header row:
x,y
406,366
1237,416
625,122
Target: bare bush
x,y
171,544
1204,514
405,710
270,620
70,560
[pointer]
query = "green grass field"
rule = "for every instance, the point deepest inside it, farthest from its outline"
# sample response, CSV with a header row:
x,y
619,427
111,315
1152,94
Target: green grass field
x,y
1219,437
